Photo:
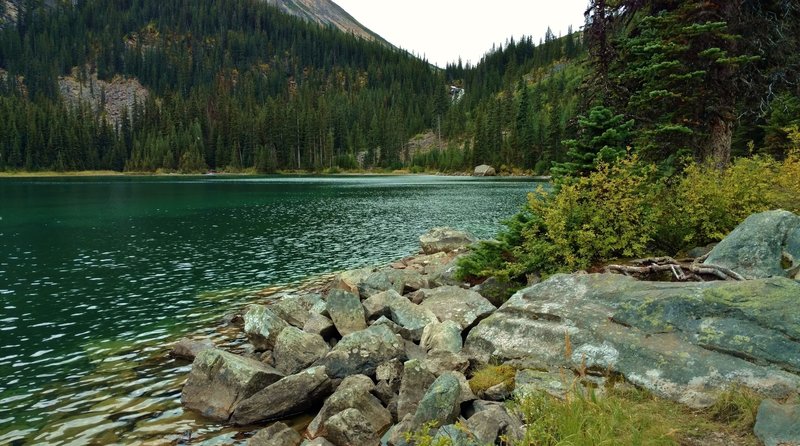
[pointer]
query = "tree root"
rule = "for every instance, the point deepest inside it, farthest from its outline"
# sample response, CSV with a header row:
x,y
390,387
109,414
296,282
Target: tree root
x,y
683,271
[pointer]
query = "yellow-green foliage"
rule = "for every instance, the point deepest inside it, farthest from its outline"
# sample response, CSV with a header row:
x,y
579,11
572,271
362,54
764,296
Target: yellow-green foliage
x,y
623,417
606,214
627,210
492,375
707,203
737,407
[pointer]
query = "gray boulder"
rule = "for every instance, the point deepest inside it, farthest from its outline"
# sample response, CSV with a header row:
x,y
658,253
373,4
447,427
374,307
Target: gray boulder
x,y
296,310
262,327
220,380
416,380
320,325
440,403
484,170
296,350
494,422
319,441
442,239
442,336
380,281
361,352
288,396
351,427
778,424
764,245
349,280
441,361
189,348
455,435
346,312
354,392
465,307
379,304
682,341
278,434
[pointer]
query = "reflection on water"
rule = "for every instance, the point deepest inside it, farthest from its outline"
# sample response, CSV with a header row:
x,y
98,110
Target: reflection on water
x,y
98,275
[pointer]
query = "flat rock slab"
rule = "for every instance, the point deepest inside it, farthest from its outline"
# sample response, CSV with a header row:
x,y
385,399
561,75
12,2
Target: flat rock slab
x,y
361,352
288,396
220,380
451,303
189,348
682,341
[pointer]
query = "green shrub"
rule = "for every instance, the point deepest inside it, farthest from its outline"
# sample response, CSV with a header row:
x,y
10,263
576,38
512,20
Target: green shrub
x,y
630,210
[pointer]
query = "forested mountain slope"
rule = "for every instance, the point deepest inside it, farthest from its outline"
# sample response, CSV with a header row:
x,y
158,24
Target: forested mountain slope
x,y
238,84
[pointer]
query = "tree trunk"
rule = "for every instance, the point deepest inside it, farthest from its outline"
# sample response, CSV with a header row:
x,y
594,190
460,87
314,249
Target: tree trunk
x,y
720,140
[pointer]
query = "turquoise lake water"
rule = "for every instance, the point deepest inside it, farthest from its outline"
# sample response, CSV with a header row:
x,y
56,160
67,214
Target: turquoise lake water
x,y
98,275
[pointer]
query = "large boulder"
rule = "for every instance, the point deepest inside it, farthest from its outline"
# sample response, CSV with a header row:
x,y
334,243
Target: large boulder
x,y
354,392
484,170
295,350
465,307
288,396
440,403
489,424
262,327
296,310
220,380
361,352
416,380
442,336
349,280
443,239
764,245
682,341
380,281
351,427
346,312
778,424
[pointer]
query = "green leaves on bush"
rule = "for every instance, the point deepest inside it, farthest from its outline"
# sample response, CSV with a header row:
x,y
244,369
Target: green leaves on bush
x,y
629,210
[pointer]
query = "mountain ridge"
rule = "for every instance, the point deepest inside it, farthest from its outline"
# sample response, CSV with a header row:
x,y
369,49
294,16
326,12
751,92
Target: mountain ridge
x,y
327,13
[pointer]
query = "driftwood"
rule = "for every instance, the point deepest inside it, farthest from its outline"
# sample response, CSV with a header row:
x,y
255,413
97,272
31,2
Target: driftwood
x,y
684,270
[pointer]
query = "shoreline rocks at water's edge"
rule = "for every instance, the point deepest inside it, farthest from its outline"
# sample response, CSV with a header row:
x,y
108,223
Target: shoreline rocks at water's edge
x,y
385,355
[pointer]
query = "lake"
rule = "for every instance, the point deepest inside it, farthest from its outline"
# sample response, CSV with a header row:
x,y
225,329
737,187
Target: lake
x,y
99,274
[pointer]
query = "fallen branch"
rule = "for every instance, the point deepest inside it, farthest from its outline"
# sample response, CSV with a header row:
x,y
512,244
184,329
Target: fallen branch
x,y
682,271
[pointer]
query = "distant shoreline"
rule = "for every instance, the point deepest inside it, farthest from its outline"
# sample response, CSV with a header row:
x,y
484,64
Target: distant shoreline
x,y
114,173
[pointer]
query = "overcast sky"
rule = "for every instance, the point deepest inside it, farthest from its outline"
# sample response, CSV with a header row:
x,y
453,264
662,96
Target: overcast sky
x,y
443,30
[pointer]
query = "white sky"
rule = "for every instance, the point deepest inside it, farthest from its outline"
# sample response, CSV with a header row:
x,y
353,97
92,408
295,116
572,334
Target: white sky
x,y
443,30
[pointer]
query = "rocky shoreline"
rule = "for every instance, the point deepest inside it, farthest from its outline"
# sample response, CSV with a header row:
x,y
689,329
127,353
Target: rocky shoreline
x,y
382,352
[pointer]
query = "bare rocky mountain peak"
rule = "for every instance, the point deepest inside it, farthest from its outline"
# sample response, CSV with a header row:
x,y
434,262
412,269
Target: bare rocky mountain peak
x,y
326,12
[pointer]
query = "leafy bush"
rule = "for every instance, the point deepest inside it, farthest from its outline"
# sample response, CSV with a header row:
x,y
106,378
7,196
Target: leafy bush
x,y
630,210
610,213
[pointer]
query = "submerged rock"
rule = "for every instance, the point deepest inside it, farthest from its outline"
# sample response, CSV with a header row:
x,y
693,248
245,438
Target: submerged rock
x,y
220,380
442,239
764,245
682,341
288,396
189,348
